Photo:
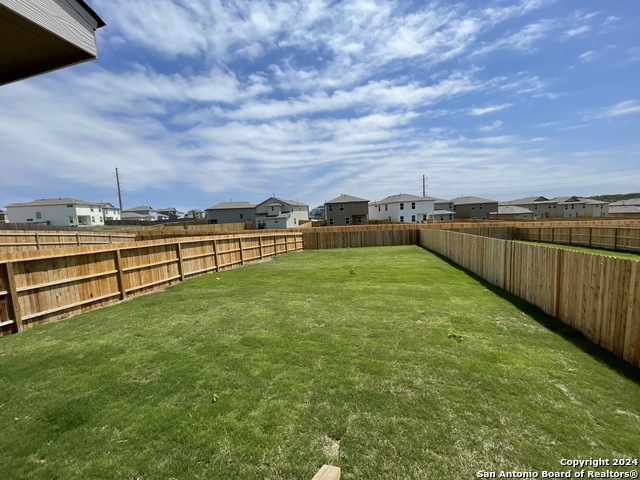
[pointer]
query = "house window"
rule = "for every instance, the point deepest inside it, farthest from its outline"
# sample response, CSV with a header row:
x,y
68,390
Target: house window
x,y
39,215
92,209
330,208
331,221
402,206
359,219
341,207
413,205
69,206
473,207
93,219
385,208
413,218
424,217
242,216
347,221
378,207
29,219
70,220
480,206
402,219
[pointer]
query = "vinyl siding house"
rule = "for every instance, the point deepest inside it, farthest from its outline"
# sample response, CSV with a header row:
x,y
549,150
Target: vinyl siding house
x,y
278,213
443,210
109,212
62,212
574,207
143,212
511,212
3,217
346,210
45,35
541,207
231,212
171,212
473,208
195,214
403,208
624,208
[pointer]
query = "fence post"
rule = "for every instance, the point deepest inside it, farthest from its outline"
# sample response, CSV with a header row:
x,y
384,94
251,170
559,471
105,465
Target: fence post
x,y
78,238
241,252
180,266
275,245
260,243
13,296
110,239
37,241
216,263
118,261
590,236
615,238
570,243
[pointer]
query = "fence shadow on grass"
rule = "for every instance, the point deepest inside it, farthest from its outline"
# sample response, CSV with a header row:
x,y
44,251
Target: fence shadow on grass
x,y
555,325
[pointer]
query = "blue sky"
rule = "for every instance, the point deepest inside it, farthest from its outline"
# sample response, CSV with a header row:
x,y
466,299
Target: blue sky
x,y
202,101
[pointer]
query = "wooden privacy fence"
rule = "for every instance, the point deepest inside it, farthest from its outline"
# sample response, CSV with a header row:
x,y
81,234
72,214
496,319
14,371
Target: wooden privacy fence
x,y
319,238
597,295
38,287
611,238
16,241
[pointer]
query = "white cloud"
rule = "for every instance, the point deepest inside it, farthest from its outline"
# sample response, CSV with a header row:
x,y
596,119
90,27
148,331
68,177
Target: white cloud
x,y
489,109
577,31
491,127
628,107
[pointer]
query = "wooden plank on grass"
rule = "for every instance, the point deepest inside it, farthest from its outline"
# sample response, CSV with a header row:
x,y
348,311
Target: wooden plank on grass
x,y
327,472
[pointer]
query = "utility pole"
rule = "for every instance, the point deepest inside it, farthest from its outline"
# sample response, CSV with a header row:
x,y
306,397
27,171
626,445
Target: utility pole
x,y
119,193
424,185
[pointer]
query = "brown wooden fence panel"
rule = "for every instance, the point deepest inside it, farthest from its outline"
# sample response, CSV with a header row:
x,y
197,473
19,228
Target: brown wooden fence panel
x,y
598,295
38,287
609,237
16,241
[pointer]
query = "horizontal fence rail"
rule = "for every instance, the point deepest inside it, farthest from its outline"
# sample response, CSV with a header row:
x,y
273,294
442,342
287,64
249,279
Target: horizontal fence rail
x,y
597,295
610,238
17,241
39,287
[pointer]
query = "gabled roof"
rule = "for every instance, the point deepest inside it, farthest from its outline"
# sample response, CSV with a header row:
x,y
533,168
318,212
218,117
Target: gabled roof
x,y
443,212
511,210
630,201
619,209
574,199
107,205
471,200
140,208
231,205
528,201
405,197
54,201
282,201
346,199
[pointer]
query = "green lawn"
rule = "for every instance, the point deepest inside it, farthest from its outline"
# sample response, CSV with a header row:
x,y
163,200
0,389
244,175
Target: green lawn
x,y
387,362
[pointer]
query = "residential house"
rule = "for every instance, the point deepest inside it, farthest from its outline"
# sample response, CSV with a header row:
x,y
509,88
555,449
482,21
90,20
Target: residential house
x,y
171,212
573,207
4,218
404,208
143,212
511,212
62,212
317,213
195,214
231,212
346,210
278,213
109,212
541,207
444,211
473,208
624,208
38,37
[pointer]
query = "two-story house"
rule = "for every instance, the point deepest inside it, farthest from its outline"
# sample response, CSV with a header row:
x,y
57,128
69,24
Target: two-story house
x,y
404,208
346,210
624,208
171,212
278,213
541,207
231,212
143,212
63,212
109,212
444,211
573,207
473,208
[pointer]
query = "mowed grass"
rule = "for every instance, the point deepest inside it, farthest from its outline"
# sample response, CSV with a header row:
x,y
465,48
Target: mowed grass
x,y
387,362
